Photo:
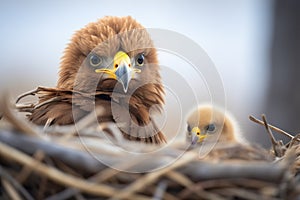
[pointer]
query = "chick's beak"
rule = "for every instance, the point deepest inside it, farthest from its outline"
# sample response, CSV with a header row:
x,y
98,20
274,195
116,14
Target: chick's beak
x,y
197,136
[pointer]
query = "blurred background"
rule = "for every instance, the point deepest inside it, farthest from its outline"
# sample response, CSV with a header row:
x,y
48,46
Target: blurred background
x,y
254,45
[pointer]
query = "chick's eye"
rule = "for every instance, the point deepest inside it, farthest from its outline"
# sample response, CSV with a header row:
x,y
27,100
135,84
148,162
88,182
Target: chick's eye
x,y
210,128
95,60
189,129
140,59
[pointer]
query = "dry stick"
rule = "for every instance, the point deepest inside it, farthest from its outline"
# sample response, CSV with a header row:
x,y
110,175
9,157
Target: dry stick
x,y
141,183
179,178
42,188
239,193
276,145
102,176
58,176
212,185
160,190
26,171
166,196
12,193
187,183
293,141
14,119
273,140
66,194
79,197
272,127
5,175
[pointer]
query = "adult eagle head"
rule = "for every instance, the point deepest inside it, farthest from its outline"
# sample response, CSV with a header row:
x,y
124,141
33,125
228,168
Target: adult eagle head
x,y
114,55
111,50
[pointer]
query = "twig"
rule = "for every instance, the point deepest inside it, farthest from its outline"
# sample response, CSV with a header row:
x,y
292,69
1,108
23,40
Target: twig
x,y
272,127
12,193
78,196
66,194
70,156
199,190
249,170
58,176
239,193
17,121
26,171
160,190
102,176
141,183
42,188
53,173
273,140
188,184
277,146
4,174
294,140
179,178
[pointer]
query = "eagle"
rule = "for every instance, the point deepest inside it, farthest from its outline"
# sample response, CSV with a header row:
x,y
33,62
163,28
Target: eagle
x,y
111,63
207,122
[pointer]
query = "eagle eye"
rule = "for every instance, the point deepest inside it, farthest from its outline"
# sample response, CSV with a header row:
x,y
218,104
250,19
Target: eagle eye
x,y
210,128
140,59
95,60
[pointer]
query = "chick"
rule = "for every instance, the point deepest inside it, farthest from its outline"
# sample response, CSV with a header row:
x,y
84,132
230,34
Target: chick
x,y
208,123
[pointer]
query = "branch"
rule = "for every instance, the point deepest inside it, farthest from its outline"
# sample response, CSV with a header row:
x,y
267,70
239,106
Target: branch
x,y
19,187
273,140
272,127
58,176
18,122
78,159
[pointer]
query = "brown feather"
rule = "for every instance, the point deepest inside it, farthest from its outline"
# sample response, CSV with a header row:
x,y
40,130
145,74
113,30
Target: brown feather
x,y
79,88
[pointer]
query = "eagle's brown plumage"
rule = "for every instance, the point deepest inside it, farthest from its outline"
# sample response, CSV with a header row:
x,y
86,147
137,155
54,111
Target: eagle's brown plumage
x,y
105,38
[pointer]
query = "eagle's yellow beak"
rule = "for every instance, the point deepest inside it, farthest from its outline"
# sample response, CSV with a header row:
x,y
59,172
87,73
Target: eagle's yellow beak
x,y
197,136
122,69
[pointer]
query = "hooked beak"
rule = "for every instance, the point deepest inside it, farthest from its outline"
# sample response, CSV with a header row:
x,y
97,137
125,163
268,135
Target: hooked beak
x,y
123,74
122,70
197,137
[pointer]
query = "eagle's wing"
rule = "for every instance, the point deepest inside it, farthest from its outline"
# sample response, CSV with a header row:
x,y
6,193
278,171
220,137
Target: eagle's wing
x,y
62,107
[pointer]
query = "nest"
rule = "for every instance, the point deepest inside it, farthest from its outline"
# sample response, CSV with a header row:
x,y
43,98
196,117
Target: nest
x,y
82,162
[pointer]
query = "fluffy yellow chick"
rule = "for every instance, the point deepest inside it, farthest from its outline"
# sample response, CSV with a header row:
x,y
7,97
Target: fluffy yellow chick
x,y
211,123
